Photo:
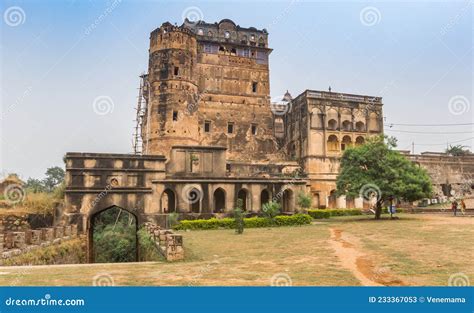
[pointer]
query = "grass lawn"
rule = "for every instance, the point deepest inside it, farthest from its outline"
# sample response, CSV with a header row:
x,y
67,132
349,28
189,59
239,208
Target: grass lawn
x,y
414,250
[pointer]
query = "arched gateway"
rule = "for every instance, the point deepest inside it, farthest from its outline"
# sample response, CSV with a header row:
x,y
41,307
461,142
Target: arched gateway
x,y
112,236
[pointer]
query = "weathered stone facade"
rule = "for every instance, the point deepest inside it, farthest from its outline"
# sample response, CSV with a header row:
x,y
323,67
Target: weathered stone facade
x,y
212,136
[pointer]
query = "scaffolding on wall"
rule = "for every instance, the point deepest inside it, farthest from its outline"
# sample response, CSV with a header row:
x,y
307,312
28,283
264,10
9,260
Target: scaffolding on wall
x,y
137,140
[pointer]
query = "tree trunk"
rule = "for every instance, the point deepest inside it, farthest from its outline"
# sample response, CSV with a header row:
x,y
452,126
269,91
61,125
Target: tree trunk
x,y
378,210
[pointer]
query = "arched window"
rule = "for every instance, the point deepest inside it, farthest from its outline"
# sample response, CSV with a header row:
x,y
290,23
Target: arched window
x,y
347,125
360,126
346,142
360,140
227,34
333,143
332,124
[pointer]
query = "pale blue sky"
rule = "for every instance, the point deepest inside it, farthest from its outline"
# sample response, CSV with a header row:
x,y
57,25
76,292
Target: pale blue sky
x,y
64,54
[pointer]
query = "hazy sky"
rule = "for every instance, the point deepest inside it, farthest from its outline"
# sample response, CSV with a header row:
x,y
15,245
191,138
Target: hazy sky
x,y
58,57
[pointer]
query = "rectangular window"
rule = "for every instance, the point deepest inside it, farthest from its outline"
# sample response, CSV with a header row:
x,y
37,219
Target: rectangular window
x,y
176,70
207,126
207,49
254,129
246,53
254,87
230,128
175,115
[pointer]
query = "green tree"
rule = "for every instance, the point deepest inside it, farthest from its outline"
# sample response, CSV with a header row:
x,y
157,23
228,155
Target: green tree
x,y
375,169
239,217
54,177
271,209
304,200
35,185
457,150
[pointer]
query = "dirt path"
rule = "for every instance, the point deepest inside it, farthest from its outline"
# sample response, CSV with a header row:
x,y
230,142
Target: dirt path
x,y
359,263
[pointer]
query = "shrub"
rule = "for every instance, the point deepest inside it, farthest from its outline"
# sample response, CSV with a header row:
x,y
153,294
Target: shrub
x,y
148,251
318,213
304,200
271,209
239,217
251,222
327,213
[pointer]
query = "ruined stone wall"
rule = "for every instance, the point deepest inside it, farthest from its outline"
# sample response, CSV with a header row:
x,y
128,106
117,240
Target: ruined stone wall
x,y
19,242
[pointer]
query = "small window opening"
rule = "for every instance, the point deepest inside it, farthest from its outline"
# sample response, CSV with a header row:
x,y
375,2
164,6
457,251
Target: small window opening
x,y
175,115
176,70
254,87
254,129
230,128
207,126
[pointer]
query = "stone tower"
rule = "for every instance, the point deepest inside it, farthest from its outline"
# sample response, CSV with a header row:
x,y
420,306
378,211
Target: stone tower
x,y
210,86
172,91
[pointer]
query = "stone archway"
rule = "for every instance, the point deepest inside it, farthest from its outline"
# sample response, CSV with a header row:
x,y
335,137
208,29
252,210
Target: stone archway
x,y
244,196
287,200
112,236
332,199
219,200
264,197
168,201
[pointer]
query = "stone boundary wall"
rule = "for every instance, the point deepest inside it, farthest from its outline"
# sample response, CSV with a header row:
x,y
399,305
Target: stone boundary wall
x,y
19,242
169,244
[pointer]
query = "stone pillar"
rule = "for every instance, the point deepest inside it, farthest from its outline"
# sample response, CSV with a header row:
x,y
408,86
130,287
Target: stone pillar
x,y
174,247
341,202
74,230
8,240
67,231
59,232
1,242
47,234
19,241
35,237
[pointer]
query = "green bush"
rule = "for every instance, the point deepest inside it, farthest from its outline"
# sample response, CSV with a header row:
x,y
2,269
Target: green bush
x,y
327,213
318,213
251,222
271,209
304,200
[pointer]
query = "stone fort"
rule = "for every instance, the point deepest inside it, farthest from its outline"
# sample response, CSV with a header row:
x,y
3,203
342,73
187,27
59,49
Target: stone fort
x,y
209,134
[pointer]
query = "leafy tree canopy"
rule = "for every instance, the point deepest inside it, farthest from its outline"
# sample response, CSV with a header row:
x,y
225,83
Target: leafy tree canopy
x,y
374,169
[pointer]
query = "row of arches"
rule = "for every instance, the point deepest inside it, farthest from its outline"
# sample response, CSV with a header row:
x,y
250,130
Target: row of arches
x,y
219,204
333,143
346,125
